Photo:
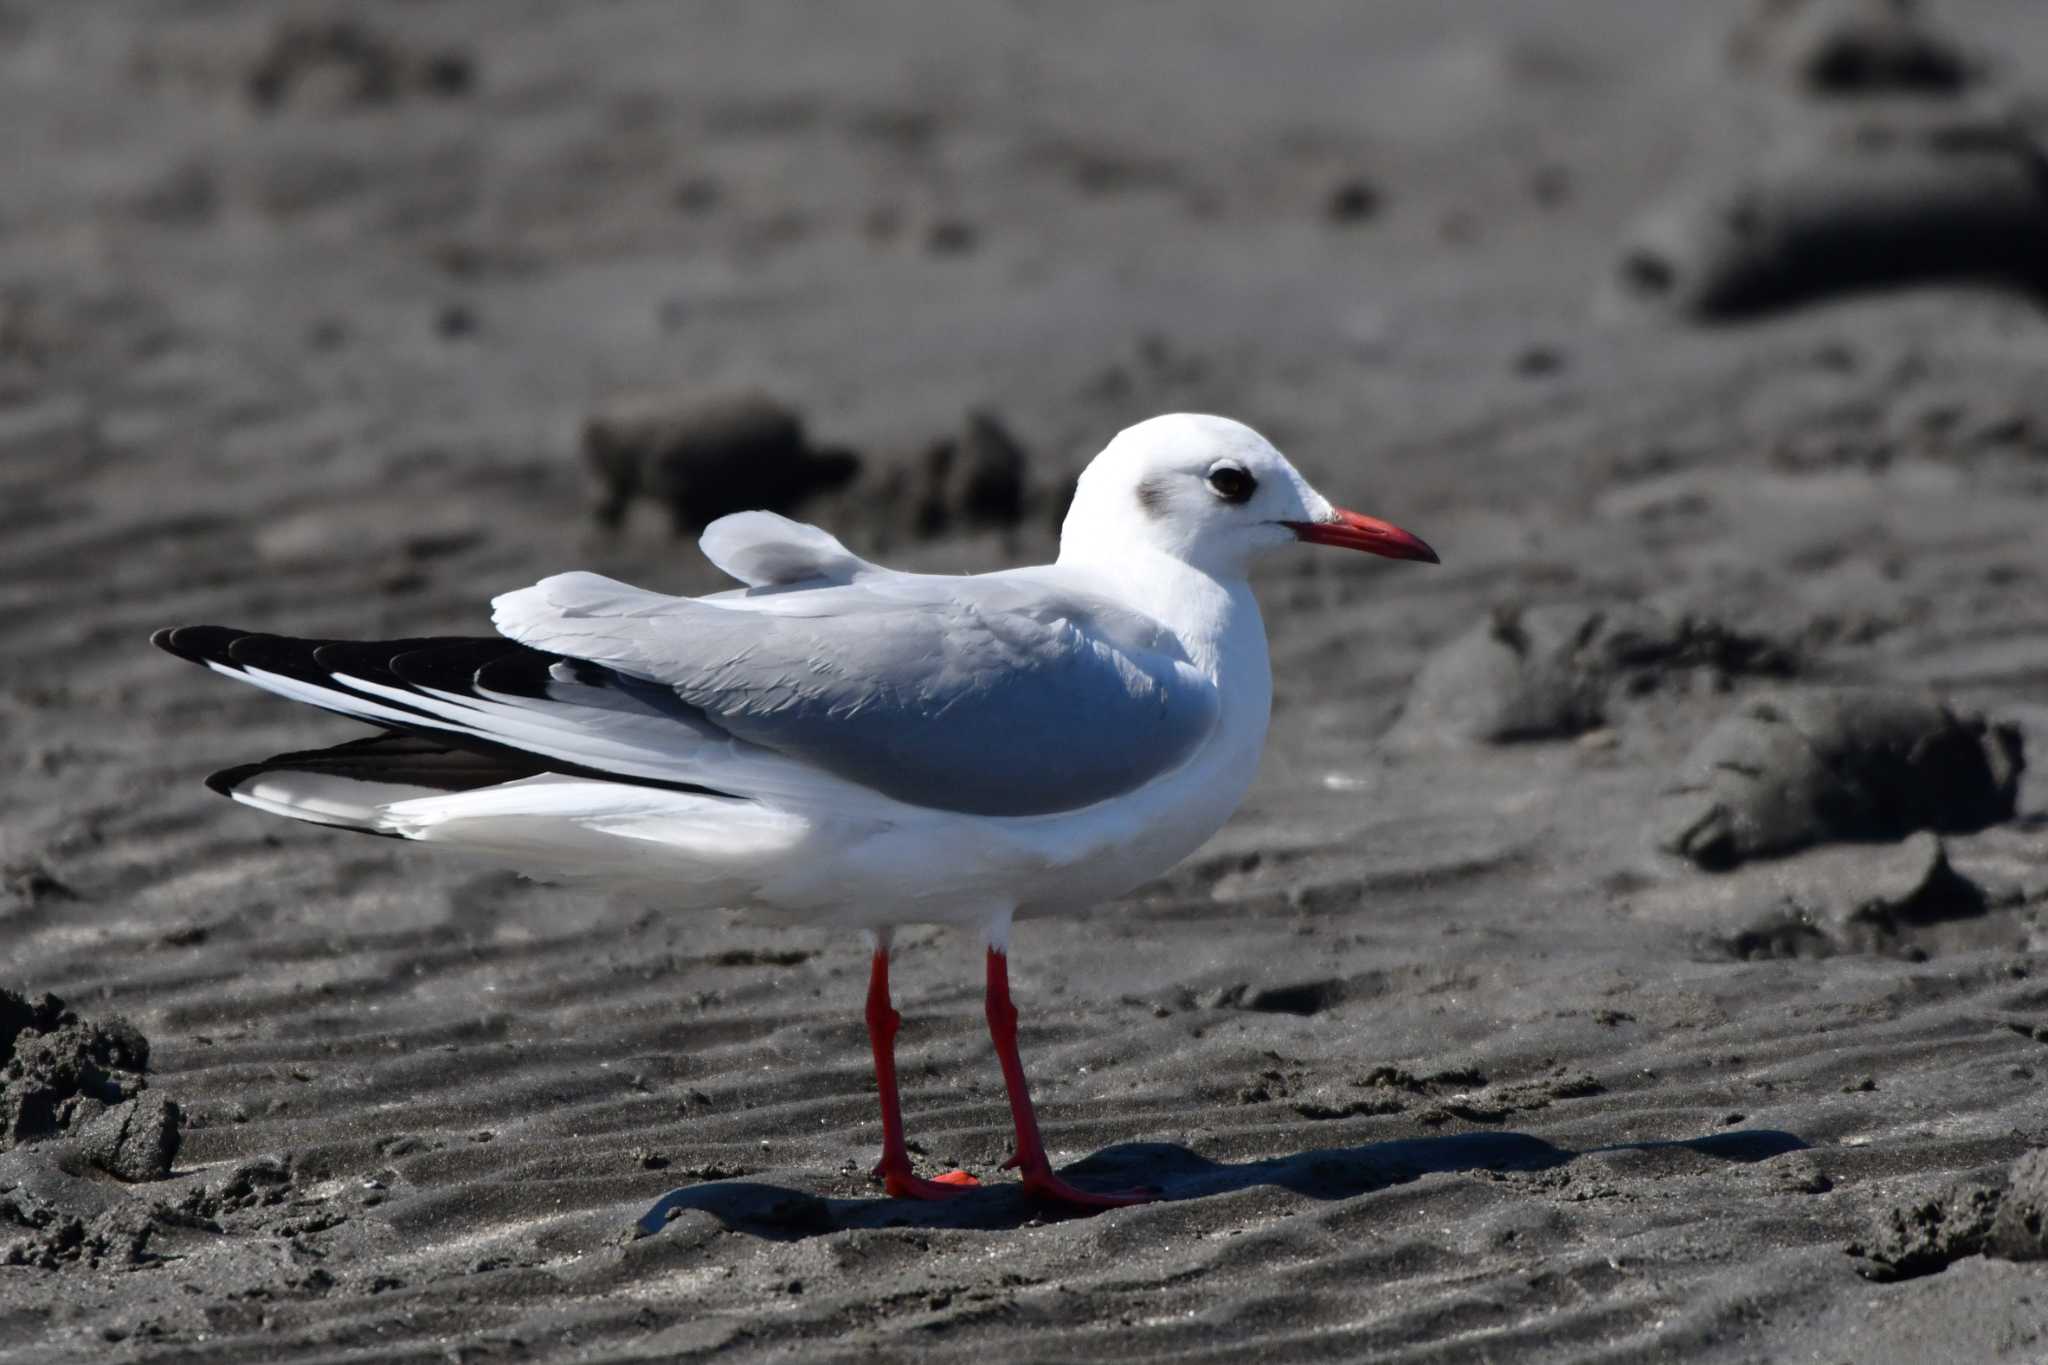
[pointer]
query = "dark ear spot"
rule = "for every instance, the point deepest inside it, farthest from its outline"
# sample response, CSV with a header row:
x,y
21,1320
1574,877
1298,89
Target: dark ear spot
x,y
1152,497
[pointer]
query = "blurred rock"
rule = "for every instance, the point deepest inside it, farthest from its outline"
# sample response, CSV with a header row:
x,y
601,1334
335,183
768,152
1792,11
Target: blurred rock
x,y
1351,202
1551,672
978,477
1849,47
1061,500
700,460
1839,900
340,63
1912,883
1803,768
31,883
1519,675
951,237
1882,204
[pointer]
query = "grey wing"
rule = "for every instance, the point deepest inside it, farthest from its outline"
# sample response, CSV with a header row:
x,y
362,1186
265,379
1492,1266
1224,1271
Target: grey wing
x,y
997,701
771,553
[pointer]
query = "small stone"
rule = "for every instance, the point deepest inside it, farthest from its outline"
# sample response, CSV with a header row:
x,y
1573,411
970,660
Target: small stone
x,y
136,1140
1801,1174
1352,202
698,194
455,320
951,237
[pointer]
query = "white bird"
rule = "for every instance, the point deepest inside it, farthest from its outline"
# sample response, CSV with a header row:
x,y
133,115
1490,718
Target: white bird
x,y
839,743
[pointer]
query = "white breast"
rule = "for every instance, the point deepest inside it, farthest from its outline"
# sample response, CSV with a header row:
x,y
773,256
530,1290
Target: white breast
x,y
939,867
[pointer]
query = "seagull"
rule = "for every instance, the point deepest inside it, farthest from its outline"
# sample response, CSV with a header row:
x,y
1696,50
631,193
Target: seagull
x,y
839,743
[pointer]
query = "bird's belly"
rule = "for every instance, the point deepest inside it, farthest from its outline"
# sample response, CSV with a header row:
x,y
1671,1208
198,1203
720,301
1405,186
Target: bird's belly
x,y
964,870
886,864
1112,862
948,868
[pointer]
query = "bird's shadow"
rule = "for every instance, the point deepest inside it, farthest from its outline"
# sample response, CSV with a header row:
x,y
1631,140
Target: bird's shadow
x,y
776,1213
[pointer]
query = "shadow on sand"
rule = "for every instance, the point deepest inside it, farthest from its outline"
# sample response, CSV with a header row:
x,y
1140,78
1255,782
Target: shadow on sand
x,y
775,1213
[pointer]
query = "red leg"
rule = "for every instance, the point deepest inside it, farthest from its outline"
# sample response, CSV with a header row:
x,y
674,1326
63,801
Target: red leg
x,y
1030,1159
894,1169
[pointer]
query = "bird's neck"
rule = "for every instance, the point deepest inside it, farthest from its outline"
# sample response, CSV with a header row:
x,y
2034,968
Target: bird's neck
x,y
1216,621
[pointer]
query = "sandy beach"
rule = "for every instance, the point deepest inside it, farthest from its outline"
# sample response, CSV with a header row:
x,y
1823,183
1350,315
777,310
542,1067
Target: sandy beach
x,y
1634,947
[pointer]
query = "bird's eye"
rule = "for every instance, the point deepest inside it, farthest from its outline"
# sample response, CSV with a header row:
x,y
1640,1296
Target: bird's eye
x,y
1232,483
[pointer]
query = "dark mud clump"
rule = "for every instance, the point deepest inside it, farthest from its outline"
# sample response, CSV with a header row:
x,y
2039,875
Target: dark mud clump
x,y
37,1232
65,1076
1433,1099
31,883
976,478
1835,48
1352,201
1552,672
1797,769
1928,1234
701,460
1883,204
2020,1231
1858,900
2003,1214
53,1217
136,1140
343,63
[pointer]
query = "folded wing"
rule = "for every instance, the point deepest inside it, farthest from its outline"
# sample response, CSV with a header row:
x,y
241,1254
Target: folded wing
x,y
991,695
771,553
828,679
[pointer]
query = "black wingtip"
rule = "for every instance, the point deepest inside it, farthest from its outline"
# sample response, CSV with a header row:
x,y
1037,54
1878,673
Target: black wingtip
x,y
452,665
227,779
198,644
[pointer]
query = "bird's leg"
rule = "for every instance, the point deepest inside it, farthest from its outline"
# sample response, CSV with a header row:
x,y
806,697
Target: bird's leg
x,y
1029,1158
894,1168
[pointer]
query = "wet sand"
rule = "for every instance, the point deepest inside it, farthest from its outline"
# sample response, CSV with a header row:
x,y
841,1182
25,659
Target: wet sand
x,y
1437,1052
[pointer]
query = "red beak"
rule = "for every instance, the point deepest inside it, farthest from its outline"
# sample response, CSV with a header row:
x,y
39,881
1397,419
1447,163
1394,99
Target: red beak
x,y
1352,531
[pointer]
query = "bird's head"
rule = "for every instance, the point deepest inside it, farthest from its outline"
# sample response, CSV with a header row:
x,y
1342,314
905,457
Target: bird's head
x,y
1214,494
